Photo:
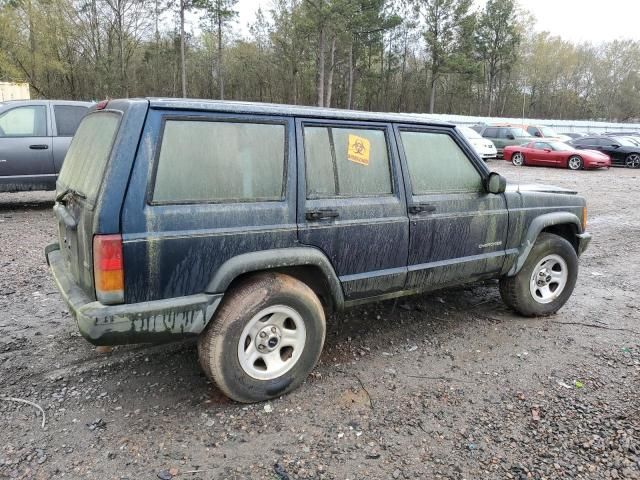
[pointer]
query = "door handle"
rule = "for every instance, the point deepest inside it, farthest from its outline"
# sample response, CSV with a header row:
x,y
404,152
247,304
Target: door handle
x,y
321,213
38,147
418,208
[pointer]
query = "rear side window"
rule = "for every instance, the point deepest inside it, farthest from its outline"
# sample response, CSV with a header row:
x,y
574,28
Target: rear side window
x,y
347,162
491,132
88,154
438,165
28,121
209,161
68,118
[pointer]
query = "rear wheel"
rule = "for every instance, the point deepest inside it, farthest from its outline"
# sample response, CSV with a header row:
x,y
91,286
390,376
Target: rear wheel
x,y
575,162
265,338
632,160
546,280
517,159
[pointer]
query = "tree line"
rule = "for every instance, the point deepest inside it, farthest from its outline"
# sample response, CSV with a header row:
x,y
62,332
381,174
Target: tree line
x,y
440,56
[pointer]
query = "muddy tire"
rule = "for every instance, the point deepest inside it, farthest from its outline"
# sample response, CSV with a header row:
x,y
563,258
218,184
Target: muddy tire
x,y
546,280
265,338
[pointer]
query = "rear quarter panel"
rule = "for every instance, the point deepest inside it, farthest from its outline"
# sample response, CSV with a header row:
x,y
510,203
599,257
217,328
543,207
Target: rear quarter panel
x,y
175,250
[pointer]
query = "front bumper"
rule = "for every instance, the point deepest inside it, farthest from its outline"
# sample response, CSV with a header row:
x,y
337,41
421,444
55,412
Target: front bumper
x,y
145,322
583,242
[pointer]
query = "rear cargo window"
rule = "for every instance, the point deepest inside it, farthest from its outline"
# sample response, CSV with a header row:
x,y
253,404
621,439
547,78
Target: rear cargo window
x,y
88,154
205,161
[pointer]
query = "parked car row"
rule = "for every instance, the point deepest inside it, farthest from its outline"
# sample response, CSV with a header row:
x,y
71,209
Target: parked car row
x,y
34,138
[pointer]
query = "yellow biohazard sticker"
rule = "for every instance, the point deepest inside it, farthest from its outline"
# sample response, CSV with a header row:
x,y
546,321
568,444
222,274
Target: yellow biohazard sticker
x,y
358,149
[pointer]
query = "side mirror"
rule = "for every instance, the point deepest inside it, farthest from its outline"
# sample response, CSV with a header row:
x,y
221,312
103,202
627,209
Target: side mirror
x,y
496,183
538,134
548,150
510,136
615,145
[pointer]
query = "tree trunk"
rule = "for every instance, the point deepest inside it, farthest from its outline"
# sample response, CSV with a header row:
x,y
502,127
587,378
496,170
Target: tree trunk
x,y
332,65
350,87
182,60
220,70
432,96
320,68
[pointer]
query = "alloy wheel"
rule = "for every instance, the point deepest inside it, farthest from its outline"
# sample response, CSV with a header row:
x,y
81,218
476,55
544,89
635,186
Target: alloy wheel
x,y
272,342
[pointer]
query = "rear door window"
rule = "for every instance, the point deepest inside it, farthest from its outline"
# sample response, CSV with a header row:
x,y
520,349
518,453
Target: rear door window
x,y
215,161
88,154
346,162
68,117
438,165
27,121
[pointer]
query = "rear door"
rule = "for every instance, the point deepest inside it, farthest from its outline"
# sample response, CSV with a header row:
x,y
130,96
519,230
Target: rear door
x,y
25,147
457,230
78,191
351,203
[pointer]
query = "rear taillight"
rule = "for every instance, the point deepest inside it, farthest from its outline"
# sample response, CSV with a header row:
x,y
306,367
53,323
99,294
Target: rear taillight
x,y
108,268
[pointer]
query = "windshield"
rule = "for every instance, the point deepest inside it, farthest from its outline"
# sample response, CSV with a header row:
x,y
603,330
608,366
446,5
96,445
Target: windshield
x,y
560,146
625,142
469,133
548,132
519,132
88,154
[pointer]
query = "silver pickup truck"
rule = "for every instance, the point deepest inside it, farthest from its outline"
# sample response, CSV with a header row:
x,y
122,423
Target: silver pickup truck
x,y
34,138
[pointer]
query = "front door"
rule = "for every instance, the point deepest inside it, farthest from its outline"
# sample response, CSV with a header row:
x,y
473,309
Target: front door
x,y
25,148
457,230
351,203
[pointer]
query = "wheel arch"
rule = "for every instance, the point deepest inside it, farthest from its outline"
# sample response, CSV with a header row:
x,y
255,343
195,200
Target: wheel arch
x,y
564,224
306,264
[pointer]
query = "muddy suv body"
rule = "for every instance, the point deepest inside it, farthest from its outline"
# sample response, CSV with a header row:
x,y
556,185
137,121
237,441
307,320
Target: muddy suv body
x,y
244,224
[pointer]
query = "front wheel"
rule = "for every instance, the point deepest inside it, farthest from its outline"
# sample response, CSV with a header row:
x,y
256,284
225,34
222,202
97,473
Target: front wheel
x,y
265,338
546,280
517,159
575,162
632,160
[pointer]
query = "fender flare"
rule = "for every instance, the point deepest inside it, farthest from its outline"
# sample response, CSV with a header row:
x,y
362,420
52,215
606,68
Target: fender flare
x,y
535,227
277,258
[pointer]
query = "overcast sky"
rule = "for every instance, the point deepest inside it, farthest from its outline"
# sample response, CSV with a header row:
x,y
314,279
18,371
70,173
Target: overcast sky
x,y
576,20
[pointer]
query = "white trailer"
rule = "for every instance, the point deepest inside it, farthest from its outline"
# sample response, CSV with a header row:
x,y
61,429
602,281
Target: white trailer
x,y
14,91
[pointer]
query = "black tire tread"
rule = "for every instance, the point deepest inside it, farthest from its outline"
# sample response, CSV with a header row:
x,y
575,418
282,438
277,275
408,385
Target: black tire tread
x,y
511,287
233,306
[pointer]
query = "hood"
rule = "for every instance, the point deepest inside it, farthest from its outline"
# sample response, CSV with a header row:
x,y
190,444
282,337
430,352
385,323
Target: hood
x,y
537,187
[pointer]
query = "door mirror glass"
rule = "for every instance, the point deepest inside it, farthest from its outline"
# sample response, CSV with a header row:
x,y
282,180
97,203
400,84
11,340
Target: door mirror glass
x,y
496,183
510,136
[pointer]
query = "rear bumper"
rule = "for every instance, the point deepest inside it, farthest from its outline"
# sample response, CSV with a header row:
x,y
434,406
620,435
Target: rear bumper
x,y
583,242
146,322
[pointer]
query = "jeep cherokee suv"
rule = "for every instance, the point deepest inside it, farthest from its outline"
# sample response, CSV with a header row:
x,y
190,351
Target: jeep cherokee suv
x,y
245,224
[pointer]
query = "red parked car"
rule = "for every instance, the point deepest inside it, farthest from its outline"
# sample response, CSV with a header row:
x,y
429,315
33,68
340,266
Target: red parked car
x,y
555,154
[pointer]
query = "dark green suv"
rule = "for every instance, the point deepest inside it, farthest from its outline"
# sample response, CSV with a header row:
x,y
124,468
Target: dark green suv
x,y
504,136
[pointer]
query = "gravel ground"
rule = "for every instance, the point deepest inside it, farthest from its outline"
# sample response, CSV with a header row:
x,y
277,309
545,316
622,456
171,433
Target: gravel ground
x,y
446,385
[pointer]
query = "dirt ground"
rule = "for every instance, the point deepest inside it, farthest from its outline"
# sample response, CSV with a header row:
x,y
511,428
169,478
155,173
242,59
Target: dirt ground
x,y
446,385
